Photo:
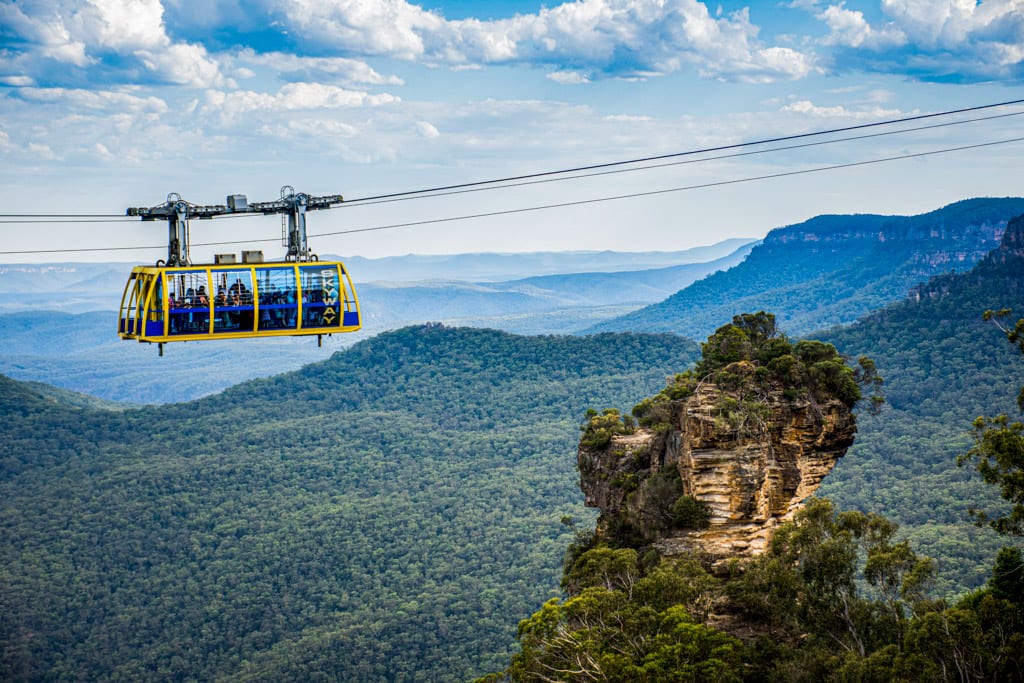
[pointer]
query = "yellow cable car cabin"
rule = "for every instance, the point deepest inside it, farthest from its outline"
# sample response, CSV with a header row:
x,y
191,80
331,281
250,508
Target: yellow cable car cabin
x,y
165,304
176,300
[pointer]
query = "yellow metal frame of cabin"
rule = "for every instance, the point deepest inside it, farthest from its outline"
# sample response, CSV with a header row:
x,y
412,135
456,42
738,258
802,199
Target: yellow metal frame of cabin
x,y
140,290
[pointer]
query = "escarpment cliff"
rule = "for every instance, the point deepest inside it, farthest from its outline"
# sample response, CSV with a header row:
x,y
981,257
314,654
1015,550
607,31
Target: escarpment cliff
x,y
832,270
726,452
1002,266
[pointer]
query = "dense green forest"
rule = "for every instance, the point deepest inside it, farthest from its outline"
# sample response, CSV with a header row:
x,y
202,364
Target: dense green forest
x,y
831,270
373,517
944,366
837,596
834,598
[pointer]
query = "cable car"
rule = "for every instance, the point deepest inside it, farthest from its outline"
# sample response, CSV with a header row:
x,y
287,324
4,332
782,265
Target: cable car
x,y
180,301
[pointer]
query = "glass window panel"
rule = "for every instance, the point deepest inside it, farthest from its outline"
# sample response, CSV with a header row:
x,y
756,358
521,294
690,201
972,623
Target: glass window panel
x,y
157,304
321,296
188,301
130,305
277,298
233,301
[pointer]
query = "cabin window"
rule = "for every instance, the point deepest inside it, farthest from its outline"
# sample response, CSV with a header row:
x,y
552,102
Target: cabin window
x,y
156,304
321,298
188,301
233,301
129,305
278,297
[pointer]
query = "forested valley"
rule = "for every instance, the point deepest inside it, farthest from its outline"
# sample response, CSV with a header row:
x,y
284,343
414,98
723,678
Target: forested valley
x,y
390,513
944,366
379,516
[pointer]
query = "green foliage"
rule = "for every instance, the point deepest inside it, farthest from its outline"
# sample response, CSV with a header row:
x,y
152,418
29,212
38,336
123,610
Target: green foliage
x,y
835,598
999,449
1007,582
598,429
611,569
656,411
944,366
690,513
807,581
885,626
751,350
745,339
374,517
729,344
639,632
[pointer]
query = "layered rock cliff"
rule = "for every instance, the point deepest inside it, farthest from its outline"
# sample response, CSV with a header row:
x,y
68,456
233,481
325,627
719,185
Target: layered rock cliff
x,y
725,453
1001,265
832,270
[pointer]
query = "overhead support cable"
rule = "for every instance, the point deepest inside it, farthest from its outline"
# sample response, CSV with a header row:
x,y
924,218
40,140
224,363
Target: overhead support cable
x,y
706,150
718,183
678,163
595,200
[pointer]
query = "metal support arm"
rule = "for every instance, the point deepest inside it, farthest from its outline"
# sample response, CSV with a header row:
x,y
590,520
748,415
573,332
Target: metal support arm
x,y
177,213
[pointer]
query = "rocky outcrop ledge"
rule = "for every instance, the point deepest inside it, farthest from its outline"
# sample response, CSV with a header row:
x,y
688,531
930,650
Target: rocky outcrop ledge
x,y
751,459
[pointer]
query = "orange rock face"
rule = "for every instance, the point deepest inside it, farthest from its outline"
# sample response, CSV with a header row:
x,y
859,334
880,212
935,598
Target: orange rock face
x,y
752,460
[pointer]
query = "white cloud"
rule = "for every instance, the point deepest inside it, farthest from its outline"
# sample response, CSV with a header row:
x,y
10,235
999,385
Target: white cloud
x,y
122,25
627,118
127,41
382,27
17,81
71,52
294,67
184,65
105,38
839,112
293,97
947,39
320,129
95,100
45,31
849,28
930,23
427,130
41,151
612,36
568,77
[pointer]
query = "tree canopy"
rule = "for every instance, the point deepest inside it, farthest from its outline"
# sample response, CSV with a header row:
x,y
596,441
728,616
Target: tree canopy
x,y
998,450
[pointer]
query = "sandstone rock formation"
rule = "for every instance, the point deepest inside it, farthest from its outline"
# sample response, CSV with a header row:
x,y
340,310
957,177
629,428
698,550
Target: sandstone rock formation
x,y
751,454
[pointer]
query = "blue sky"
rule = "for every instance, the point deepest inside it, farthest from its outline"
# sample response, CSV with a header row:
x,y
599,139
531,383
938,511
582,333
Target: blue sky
x,y
106,104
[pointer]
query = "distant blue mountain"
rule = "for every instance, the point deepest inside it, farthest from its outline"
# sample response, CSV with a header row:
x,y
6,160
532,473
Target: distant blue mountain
x,y
490,267
831,270
543,304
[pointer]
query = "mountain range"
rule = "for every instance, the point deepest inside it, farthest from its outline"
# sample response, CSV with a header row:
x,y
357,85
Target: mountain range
x,y
831,270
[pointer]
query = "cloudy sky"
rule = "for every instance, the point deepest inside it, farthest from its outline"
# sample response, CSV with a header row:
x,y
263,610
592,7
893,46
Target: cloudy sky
x,y
107,104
